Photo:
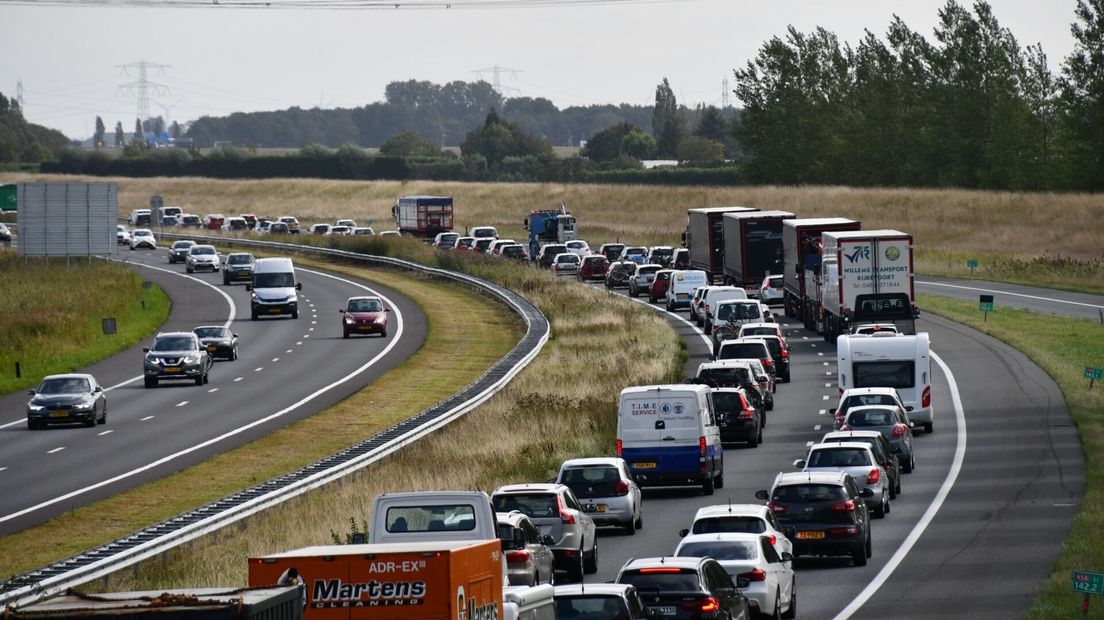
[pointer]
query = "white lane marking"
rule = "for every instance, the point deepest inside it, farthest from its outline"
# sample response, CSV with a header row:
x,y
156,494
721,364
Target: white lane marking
x,y
288,351
305,336
816,427
828,374
933,508
814,346
182,403
990,290
820,353
804,337
299,343
275,359
825,363
827,385
822,412
238,379
258,369
309,329
314,322
809,443
55,450
107,432
212,390
825,397
3,468
149,417
241,429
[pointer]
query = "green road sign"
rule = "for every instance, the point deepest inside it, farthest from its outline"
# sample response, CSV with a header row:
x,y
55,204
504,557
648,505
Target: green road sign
x,y
1088,583
1095,374
985,307
8,197
972,264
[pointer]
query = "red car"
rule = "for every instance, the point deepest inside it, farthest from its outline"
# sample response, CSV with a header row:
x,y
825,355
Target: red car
x,y
658,289
364,315
594,267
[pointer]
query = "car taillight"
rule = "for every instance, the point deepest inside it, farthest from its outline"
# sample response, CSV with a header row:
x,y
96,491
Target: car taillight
x,y
772,539
899,430
785,354
925,399
517,557
746,413
843,531
768,363
873,477
622,488
777,509
701,445
565,517
847,505
756,574
706,605
619,448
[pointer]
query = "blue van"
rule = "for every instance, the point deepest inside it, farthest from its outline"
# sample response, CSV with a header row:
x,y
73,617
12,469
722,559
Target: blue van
x,y
669,436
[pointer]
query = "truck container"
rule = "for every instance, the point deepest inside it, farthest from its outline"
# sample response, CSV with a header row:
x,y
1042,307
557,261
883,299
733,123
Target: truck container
x,y
274,603
876,264
423,216
410,580
801,253
753,247
549,226
705,238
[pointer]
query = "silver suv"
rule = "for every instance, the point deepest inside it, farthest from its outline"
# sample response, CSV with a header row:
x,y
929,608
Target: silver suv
x,y
555,510
606,489
176,355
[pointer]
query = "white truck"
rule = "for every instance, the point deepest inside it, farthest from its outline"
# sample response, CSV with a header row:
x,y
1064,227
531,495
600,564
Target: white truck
x,y
901,362
871,266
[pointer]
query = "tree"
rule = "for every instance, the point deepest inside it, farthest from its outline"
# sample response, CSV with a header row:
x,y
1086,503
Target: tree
x,y
175,131
120,137
606,144
638,145
1082,99
699,151
668,124
98,139
409,144
137,141
500,138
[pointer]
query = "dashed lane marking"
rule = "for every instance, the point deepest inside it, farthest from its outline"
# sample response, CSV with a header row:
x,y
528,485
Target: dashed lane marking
x,y
149,417
182,403
55,450
212,390
107,432
275,359
238,379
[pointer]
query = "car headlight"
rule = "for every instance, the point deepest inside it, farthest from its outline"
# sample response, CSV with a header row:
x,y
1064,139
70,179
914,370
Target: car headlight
x,y
190,359
349,319
381,320
253,295
35,407
83,406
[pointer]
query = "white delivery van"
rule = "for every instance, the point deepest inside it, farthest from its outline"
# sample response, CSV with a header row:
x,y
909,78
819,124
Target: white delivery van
x,y
899,362
669,436
141,217
715,295
682,286
274,290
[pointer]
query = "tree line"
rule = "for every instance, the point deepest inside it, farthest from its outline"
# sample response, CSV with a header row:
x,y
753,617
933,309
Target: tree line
x,y
21,141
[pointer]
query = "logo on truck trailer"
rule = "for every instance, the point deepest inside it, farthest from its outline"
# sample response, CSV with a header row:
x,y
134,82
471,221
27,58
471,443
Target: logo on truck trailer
x,y
331,593
862,251
467,608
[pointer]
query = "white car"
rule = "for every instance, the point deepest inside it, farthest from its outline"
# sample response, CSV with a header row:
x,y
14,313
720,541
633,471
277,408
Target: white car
x,y
350,223
566,264
341,230
122,235
578,247
771,589
770,290
482,232
875,329
606,489
740,518
364,231
142,238
496,246
201,257
762,329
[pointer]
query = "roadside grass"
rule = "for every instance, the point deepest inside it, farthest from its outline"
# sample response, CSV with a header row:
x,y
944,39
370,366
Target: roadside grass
x,y
52,315
562,405
1062,347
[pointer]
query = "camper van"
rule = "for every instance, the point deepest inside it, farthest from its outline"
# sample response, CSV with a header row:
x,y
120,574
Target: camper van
x,y
899,362
274,288
669,436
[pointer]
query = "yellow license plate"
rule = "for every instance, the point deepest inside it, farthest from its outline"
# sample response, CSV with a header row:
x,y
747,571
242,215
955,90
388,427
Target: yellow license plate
x,y
274,311
644,465
212,348
59,414
365,328
599,508
172,370
810,535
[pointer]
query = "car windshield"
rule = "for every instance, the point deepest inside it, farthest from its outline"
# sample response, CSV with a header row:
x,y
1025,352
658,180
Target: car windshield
x,y
182,245
532,504
570,258
683,580
759,331
809,493
726,377
719,550
839,457
273,280
364,305
202,249
647,271
483,232
240,259
174,343
591,481
740,524
870,417
212,332
662,254
142,232
67,385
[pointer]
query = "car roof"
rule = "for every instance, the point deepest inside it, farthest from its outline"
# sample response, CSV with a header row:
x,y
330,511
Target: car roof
x,y
840,444
208,326
591,461
239,254
722,537
844,434
869,390
725,510
512,518
70,375
774,326
169,334
729,363
589,589
376,297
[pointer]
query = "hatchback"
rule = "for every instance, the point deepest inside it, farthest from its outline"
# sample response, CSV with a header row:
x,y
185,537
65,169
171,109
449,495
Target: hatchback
x,y
557,512
771,588
636,254
529,561
883,452
201,257
770,291
687,588
608,601
739,373
825,514
736,417
660,255
515,251
578,246
618,274
142,238
364,315
747,518
566,264
606,489
239,266
680,258
779,352
855,397
657,290
547,253
612,251
641,279
179,250
749,348
889,420
857,460
594,267
482,244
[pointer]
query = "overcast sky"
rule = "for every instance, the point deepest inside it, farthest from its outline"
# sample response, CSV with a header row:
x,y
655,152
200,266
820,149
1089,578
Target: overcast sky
x,y
226,60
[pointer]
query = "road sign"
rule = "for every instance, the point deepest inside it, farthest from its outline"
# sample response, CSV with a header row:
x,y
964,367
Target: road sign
x,y
1088,583
985,303
1095,374
109,326
972,264
156,201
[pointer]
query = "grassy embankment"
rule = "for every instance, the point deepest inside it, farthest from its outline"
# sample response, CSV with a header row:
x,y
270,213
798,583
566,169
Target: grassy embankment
x,y
52,315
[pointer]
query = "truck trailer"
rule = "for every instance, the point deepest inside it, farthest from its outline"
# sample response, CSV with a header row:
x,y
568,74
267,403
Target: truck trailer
x,y
705,238
874,264
801,252
753,247
411,580
423,216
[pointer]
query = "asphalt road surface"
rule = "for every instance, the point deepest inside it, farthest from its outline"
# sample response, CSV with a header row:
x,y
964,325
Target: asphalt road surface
x,y
287,370
978,523
1065,303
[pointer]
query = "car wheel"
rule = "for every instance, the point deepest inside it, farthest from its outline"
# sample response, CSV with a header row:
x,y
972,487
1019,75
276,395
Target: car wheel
x,y
103,416
91,421
755,438
928,428
858,556
898,485
234,355
892,490
344,334
869,546
199,380
575,571
791,611
640,521
880,511
776,612
295,315
719,482
786,378
770,405
590,565
907,465
151,382
253,316
383,334
707,486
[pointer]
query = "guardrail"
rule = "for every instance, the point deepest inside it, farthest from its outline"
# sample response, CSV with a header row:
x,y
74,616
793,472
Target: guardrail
x,y
108,558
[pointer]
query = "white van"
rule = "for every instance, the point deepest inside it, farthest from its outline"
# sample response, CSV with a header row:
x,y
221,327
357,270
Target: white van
x,y
274,288
669,436
141,217
715,295
682,286
899,362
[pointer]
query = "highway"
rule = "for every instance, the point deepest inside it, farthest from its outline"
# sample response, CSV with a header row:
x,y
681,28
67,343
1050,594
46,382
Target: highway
x,y
978,523
1051,301
287,370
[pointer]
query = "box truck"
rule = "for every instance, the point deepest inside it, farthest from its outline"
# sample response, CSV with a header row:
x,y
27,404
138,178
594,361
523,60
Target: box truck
x,y
753,247
874,264
423,216
801,252
704,237
410,580
899,362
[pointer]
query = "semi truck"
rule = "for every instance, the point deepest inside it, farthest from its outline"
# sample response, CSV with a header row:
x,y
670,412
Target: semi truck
x,y
549,226
753,247
409,580
423,216
705,238
801,255
874,266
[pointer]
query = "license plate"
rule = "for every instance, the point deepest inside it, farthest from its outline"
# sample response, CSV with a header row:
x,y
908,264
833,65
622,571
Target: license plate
x,y
59,414
666,610
595,507
172,370
682,296
810,535
365,328
274,311
644,465
212,348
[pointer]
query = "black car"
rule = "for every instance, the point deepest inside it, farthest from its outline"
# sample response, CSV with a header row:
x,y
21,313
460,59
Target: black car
x,y
219,341
176,355
618,274
823,513
611,250
737,419
728,374
178,253
238,267
680,259
67,399
882,449
688,588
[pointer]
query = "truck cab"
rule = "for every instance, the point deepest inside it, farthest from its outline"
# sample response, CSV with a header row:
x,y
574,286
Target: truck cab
x,y
549,226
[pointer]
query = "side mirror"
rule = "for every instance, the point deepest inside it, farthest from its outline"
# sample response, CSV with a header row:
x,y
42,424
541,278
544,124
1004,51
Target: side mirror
x,y
866,493
908,408
387,309
684,533
341,311
235,335
98,389
298,286
31,392
832,411
145,349
799,464
762,494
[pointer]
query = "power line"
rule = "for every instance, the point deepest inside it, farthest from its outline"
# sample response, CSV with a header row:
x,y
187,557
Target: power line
x,y
143,85
496,83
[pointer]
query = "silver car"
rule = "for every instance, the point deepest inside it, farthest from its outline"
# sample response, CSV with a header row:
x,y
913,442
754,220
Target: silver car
x,y
642,279
529,561
889,420
201,257
606,489
556,511
858,461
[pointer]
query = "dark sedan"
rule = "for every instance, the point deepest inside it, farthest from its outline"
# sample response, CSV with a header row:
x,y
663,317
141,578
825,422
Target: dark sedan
x,y
178,253
364,315
219,341
67,399
238,267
